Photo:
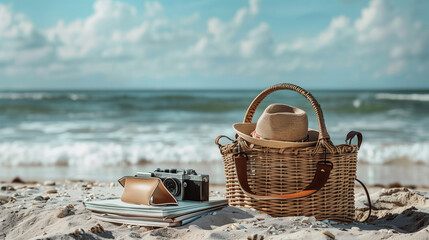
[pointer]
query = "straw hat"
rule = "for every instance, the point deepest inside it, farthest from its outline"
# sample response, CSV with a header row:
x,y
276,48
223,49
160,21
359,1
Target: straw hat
x,y
280,126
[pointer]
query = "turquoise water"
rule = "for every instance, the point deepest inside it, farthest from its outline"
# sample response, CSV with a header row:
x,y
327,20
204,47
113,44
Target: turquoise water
x,y
93,129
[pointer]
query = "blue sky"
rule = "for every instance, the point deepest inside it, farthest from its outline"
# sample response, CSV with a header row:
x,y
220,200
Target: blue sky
x,y
106,44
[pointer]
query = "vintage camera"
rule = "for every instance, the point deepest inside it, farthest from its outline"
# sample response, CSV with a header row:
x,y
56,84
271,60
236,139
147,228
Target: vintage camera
x,y
182,184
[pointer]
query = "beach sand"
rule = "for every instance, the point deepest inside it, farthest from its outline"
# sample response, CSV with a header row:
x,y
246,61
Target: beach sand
x,y
36,211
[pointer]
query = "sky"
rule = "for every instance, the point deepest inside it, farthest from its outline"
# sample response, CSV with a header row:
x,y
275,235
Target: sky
x,y
107,44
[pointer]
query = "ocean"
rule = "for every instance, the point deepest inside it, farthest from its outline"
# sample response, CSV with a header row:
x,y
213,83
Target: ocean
x,y
106,134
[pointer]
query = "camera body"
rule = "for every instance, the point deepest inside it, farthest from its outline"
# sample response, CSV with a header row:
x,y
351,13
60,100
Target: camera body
x,y
182,184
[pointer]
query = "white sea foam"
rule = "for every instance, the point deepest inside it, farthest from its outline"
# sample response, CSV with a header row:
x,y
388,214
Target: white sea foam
x,y
90,143
39,96
403,97
61,127
378,153
14,96
93,154
357,103
97,154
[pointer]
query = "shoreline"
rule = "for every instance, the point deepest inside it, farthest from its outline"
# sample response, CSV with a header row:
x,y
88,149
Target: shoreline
x,y
413,175
18,180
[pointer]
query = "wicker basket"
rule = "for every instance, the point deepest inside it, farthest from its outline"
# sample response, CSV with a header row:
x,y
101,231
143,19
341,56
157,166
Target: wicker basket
x,y
274,171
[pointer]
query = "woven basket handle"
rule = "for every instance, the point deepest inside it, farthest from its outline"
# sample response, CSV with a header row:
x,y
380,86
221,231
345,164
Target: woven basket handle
x,y
323,133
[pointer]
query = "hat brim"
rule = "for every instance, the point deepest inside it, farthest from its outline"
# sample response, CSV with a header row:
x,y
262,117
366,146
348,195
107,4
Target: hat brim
x,y
245,129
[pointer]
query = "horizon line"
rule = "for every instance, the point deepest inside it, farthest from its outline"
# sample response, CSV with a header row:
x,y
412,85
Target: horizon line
x,y
203,89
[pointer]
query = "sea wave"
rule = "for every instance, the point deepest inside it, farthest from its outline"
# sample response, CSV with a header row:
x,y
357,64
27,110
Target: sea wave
x,y
107,96
98,128
403,97
26,109
60,102
99,154
195,106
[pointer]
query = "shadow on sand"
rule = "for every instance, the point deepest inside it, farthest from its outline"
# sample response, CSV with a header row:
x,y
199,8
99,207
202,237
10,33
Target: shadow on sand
x,y
409,221
225,216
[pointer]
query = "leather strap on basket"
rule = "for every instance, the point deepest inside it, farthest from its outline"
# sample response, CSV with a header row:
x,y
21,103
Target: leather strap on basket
x,y
368,198
351,135
220,137
349,138
320,178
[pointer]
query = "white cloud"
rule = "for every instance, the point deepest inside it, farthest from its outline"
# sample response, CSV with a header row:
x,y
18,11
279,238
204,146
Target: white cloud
x,y
225,31
337,30
190,19
258,41
13,25
379,33
88,37
22,47
254,6
153,9
120,41
395,67
369,15
397,52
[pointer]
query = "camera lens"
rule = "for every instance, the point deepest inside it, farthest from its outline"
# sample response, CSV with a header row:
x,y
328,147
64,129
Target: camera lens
x,y
172,185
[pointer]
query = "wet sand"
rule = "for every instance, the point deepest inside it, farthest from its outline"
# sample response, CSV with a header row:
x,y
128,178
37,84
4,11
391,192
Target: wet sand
x,y
371,174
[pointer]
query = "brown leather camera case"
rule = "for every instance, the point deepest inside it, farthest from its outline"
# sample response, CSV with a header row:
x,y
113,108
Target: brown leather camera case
x,y
145,191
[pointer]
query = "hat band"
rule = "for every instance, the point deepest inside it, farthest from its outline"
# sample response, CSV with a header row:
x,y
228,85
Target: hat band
x,y
253,134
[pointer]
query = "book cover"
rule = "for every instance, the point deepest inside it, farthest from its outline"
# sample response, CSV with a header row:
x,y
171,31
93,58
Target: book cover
x,y
116,206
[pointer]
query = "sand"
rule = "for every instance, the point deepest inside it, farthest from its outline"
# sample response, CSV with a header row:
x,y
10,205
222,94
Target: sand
x,y
27,213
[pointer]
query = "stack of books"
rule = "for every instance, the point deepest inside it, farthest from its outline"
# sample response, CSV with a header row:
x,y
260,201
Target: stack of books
x,y
116,211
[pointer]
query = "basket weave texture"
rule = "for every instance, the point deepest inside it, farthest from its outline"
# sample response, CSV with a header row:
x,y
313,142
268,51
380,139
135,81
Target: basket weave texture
x,y
289,170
